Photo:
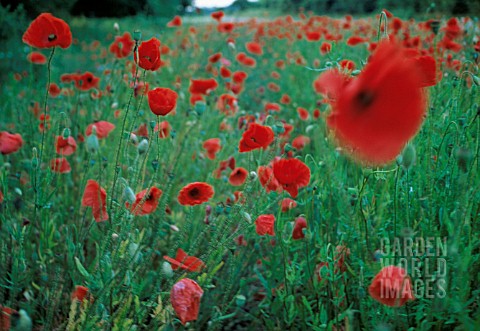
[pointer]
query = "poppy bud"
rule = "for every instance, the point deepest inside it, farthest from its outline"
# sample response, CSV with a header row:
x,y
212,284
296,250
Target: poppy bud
x,y
142,146
21,321
175,228
128,195
289,148
408,157
18,191
247,217
133,138
240,300
116,27
167,269
66,133
137,35
92,142
269,120
35,158
231,45
114,236
200,107
476,80
253,175
152,124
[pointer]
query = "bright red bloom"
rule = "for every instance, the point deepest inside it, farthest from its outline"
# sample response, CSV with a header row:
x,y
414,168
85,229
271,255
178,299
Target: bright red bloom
x,y
215,58
60,165
300,224
392,287
292,174
145,205
54,90
86,81
325,48
227,104
95,197
195,194
103,128
48,31
10,143
355,40
162,100
185,262
185,298
202,86
148,55
375,114
122,46
287,204
65,146
212,146
255,137
264,224
238,176
239,77
80,293
225,27
254,48
218,15
176,21
37,58
268,180
303,113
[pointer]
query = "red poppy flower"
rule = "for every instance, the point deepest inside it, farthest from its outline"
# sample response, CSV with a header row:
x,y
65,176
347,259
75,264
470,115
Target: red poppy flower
x,y
95,197
355,40
271,106
122,46
225,27
300,142
254,48
392,287
37,58
185,262
238,176
300,224
325,48
103,129
218,15
5,317
162,100
54,90
255,137
239,77
375,114
86,81
287,204
80,293
212,146
268,180
195,194
227,104
264,224
185,298
60,165
202,86
291,174
47,31
65,146
10,143
215,58
148,55
145,205
176,21
303,113
225,72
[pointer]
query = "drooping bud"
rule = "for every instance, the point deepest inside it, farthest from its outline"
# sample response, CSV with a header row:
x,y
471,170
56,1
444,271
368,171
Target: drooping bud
x,y
137,35
66,133
409,156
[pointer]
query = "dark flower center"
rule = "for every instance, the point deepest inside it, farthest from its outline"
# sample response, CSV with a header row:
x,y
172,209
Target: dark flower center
x,y
194,193
52,37
364,99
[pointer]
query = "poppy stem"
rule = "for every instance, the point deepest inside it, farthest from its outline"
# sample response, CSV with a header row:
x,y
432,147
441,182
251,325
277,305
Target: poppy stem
x,y
383,17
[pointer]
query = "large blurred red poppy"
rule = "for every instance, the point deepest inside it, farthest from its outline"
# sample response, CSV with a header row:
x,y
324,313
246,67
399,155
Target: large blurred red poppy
x,y
185,262
292,174
148,55
392,287
375,114
10,142
95,197
145,205
255,137
195,194
162,100
48,31
185,298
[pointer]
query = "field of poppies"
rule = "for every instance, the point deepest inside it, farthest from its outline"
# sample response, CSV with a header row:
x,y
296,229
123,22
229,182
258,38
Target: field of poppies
x,y
294,173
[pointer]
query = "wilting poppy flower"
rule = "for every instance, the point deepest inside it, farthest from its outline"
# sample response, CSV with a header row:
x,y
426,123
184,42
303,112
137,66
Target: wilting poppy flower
x,y
287,204
47,31
375,114
10,143
176,21
162,100
37,58
103,128
392,287
65,146
264,224
300,224
60,165
195,194
80,293
5,318
145,205
238,176
185,298
202,86
122,46
268,180
95,197
185,262
212,146
291,174
255,137
148,55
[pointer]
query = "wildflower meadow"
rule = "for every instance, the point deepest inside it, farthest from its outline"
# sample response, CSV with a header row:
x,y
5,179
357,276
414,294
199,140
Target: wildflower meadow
x,y
265,172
